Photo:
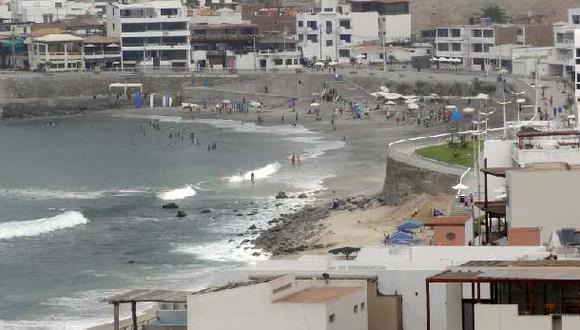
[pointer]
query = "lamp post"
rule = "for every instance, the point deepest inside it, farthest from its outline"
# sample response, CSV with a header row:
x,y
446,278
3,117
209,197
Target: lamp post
x,y
519,101
503,104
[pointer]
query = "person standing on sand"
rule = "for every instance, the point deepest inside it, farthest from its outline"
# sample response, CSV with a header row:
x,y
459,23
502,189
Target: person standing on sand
x,y
252,177
282,119
293,160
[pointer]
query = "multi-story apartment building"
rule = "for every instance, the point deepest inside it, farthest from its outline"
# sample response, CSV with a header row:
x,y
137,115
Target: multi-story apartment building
x,y
394,18
488,47
152,33
329,33
48,11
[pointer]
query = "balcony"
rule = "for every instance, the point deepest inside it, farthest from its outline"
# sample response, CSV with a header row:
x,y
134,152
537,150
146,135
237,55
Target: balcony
x,y
222,37
157,33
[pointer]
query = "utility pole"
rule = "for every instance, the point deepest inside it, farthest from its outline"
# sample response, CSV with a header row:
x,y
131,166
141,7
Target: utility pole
x,y
255,58
284,41
320,42
384,53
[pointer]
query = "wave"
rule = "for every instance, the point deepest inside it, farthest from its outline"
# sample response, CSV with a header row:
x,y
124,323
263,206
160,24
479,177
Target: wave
x,y
178,193
44,194
159,118
259,173
221,252
248,127
37,227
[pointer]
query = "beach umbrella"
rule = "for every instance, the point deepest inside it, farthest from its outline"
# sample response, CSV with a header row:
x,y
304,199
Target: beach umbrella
x,y
468,110
226,101
314,104
571,117
413,106
319,63
521,101
410,97
482,96
90,45
384,89
390,103
361,56
409,101
392,96
410,225
554,240
443,59
332,63
433,59
460,186
346,251
113,45
433,95
450,107
376,94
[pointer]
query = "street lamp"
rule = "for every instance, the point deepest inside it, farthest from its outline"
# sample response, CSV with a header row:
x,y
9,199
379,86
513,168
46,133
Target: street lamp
x,y
504,103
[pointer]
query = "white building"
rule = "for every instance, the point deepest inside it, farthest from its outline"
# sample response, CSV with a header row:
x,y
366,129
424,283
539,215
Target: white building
x,y
401,273
57,53
394,18
48,11
152,33
282,304
329,33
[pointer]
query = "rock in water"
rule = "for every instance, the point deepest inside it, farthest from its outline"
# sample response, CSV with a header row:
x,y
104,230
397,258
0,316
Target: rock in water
x,y
181,214
281,195
170,206
205,211
252,227
302,195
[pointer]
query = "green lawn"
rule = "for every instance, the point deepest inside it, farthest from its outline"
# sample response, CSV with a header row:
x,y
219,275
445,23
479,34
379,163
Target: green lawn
x,y
444,153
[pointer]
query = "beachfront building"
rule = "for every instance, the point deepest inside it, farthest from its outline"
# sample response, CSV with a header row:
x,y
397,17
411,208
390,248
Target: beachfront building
x,y
394,18
282,303
488,47
329,33
153,34
13,48
373,53
57,53
273,19
48,11
102,53
400,273
505,295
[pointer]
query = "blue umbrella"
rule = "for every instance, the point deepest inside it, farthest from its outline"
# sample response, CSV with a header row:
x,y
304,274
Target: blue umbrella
x,y
410,225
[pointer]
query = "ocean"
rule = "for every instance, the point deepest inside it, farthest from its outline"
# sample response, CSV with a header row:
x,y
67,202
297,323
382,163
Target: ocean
x,y
81,216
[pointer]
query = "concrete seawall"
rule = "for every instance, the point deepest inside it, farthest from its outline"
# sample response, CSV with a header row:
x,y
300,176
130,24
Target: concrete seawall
x,y
408,174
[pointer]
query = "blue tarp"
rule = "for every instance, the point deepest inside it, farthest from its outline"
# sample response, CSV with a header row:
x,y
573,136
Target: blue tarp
x,y
138,100
410,224
402,236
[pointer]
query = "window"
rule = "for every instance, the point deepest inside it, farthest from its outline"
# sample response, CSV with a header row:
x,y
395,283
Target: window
x,y
289,61
328,43
344,24
328,10
381,56
295,61
312,25
278,61
576,19
486,48
345,38
456,47
455,33
477,48
169,11
300,23
301,38
443,47
331,318
362,306
577,52
488,33
443,33
476,33
328,27
344,53
355,309
312,37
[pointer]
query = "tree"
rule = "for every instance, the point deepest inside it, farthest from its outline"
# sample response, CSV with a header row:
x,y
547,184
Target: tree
x,y
495,13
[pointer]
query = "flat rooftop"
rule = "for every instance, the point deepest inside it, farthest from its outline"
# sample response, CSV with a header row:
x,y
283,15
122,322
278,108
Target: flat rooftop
x,y
318,295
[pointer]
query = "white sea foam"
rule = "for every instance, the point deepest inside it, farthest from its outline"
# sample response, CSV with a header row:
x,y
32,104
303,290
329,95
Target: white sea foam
x,y
222,252
163,119
44,194
259,173
178,193
37,227
247,127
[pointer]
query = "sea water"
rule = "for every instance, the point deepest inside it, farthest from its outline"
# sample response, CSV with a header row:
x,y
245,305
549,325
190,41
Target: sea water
x,y
81,216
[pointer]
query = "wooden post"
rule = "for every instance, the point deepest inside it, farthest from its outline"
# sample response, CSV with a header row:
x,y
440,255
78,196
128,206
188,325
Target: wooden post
x,y
116,316
134,314
428,305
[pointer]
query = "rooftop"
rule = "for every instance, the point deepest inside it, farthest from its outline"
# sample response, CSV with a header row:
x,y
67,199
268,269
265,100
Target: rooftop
x,y
318,295
57,37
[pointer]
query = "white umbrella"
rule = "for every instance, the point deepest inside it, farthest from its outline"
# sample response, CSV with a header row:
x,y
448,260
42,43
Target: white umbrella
x,y
226,101
332,63
390,103
482,96
571,117
413,106
410,97
521,101
450,107
361,56
319,63
554,240
410,101
384,89
443,59
433,95
113,45
314,104
455,60
90,45
460,186
376,94
433,59
392,96
468,110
